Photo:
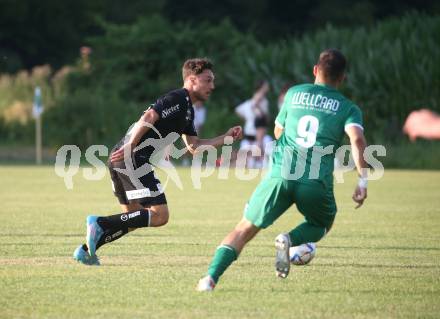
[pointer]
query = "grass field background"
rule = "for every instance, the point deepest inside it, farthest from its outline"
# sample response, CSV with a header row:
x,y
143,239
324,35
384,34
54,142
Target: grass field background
x,y
381,261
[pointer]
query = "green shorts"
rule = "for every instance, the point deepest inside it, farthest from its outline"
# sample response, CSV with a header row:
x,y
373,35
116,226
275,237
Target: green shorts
x,y
273,196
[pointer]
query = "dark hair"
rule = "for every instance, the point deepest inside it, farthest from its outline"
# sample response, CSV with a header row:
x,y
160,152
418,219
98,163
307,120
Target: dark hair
x,y
195,66
332,63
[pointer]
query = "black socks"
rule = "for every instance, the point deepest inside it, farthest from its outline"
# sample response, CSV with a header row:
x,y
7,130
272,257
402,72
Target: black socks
x,y
108,236
111,235
136,219
116,226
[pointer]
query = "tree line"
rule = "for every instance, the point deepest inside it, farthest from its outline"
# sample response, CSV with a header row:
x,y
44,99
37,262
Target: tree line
x,y
51,32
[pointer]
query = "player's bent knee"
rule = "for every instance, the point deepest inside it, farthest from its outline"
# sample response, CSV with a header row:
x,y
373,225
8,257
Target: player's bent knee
x,y
163,219
244,225
246,230
159,216
159,220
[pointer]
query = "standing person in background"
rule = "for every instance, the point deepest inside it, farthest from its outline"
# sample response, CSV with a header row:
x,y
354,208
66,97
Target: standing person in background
x,y
199,116
261,122
254,112
282,93
199,121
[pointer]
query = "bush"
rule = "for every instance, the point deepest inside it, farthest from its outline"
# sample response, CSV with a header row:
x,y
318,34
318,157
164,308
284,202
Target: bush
x,y
419,155
88,117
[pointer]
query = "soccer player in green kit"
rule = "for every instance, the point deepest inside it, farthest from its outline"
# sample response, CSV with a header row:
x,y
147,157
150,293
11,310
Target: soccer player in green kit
x,y
309,128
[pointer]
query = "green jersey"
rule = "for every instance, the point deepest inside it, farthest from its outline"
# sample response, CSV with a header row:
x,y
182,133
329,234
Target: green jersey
x,y
314,118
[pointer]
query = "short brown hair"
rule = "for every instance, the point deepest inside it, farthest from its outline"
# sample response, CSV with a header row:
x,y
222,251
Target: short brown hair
x,y
332,63
195,66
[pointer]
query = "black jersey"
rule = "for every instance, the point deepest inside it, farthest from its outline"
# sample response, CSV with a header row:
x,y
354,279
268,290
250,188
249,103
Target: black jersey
x,y
176,114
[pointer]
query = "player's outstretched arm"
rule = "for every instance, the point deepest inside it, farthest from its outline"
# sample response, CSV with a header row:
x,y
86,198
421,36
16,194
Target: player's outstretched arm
x,y
358,144
146,121
193,142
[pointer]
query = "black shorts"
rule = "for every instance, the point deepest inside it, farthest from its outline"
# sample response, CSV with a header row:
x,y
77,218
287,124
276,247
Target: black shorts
x,y
145,190
260,122
250,138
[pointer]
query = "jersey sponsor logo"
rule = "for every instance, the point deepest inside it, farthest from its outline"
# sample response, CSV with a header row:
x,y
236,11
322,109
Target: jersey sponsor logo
x,y
317,101
171,110
138,193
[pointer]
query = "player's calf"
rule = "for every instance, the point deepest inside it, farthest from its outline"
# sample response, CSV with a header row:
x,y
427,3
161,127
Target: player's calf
x,y
159,215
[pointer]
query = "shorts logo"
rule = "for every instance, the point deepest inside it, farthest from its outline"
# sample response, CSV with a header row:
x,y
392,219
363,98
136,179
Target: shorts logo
x,y
138,193
108,239
124,217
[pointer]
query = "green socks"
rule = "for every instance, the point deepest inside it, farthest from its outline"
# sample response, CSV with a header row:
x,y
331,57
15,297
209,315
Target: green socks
x,y
306,233
224,256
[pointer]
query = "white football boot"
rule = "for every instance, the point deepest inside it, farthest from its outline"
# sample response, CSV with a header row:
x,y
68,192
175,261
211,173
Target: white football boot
x,y
282,257
206,284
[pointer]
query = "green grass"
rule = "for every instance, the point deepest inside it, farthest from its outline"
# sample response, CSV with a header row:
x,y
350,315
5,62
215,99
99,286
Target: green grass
x,y
381,261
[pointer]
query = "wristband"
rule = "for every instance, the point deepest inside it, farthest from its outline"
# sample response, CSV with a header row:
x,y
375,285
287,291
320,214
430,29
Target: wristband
x,y
228,140
363,182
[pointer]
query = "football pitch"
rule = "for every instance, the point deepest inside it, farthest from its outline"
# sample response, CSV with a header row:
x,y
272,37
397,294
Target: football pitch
x,y
381,261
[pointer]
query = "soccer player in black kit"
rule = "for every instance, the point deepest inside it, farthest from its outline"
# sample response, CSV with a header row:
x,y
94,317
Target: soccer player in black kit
x,y
142,200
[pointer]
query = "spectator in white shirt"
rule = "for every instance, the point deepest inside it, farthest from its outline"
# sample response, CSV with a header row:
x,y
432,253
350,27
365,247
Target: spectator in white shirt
x,y
255,112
